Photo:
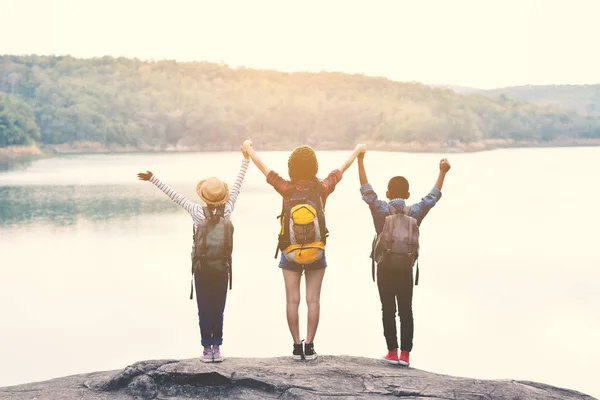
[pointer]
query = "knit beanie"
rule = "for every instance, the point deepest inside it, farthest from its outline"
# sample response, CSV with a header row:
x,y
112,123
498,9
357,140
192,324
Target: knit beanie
x,y
303,164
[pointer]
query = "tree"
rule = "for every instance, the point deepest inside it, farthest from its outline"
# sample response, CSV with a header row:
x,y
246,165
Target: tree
x,y
17,123
130,102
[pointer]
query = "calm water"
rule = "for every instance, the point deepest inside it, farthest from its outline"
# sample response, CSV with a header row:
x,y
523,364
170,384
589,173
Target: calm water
x,y
94,265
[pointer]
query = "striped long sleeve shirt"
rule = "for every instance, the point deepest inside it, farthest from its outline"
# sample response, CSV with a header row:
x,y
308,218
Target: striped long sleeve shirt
x,y
196,210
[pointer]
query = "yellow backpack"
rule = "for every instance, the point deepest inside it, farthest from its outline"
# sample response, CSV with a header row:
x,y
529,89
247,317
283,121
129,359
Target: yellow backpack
x,y
303,233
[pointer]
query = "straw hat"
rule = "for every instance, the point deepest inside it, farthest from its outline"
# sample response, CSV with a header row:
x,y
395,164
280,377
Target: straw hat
x,y
213,192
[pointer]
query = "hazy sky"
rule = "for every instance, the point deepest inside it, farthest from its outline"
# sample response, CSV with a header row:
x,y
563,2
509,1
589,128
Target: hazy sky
x,y
475,43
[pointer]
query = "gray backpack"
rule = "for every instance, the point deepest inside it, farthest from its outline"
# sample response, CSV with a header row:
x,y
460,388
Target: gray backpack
x,y
213,245
397,246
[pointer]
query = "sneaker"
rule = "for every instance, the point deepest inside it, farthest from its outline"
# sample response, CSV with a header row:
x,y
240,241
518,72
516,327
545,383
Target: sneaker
x,y
404,356
207,355
298,353
217,356
309,351
391,356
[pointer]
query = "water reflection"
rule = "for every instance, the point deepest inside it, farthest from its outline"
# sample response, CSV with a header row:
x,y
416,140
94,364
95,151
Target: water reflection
x,y
6,165
64,205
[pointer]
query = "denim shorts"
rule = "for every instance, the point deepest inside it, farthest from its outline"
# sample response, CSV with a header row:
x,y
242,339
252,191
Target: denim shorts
x,y
292,266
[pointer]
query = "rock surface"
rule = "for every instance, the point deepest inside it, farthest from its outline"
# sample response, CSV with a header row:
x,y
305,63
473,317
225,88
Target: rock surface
x,y
337,377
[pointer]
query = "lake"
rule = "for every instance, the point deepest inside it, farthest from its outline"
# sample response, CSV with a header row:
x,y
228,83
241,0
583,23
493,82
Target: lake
x,y
95,269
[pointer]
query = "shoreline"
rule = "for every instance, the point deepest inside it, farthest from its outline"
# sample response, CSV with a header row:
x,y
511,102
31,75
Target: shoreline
x,y
14,155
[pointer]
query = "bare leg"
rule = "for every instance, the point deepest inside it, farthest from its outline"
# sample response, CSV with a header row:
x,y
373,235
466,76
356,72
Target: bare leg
x,y
314,279
292,295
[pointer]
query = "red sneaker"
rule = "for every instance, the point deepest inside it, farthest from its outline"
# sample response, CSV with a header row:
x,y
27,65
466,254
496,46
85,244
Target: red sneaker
x,y
391,356
404,356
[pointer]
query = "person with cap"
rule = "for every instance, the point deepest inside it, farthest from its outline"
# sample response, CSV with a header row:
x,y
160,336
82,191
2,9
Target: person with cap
x,y
211,288
303,195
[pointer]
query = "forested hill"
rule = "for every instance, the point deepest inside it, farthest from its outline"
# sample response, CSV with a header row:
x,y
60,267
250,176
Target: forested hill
x,y
585,99
582,98
119,101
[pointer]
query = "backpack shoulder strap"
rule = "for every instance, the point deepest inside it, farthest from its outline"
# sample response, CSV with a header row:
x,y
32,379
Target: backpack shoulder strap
x,y
417,276
373,258
203,246
406,209
390,237
321,206
318,190
281,218
195,241
227,226
410,236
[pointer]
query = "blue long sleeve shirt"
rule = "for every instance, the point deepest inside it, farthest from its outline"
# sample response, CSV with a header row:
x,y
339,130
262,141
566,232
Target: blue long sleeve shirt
x,y
381,209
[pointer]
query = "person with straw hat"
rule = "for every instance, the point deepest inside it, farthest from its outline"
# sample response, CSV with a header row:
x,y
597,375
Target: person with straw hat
x,y
211,287
303,234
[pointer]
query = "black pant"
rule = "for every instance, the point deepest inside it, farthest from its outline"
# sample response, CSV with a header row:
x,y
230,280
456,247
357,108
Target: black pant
x,y
396,287
211,293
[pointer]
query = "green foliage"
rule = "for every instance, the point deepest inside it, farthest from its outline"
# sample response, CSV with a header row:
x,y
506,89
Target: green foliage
x,y
17,122
130,102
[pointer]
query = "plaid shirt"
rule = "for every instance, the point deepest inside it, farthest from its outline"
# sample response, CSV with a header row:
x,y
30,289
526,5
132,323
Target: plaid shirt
x,y
286,188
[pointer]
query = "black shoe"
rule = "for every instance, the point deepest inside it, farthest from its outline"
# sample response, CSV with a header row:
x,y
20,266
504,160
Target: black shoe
x,y
309,351
298,353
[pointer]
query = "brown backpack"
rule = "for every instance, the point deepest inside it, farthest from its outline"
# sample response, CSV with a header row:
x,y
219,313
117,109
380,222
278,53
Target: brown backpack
x,y
213,245
397,246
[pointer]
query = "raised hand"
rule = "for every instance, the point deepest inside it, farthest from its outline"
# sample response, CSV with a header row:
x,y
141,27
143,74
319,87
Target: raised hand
x,y
144,176
247,146
361,148
244,152
445,165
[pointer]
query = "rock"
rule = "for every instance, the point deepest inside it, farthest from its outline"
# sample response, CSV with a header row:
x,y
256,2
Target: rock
x,y
339,377
124,377
142,386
